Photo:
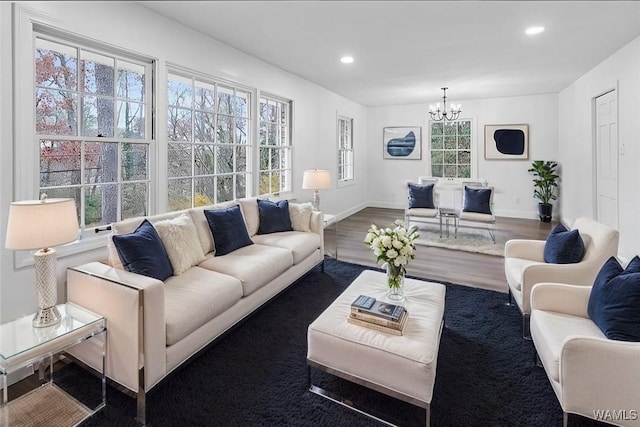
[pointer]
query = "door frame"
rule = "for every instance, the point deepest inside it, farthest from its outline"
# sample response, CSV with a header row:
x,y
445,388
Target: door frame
x,y
594,149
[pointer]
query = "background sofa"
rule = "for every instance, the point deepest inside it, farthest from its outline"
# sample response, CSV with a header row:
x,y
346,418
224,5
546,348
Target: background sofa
x,y
154,326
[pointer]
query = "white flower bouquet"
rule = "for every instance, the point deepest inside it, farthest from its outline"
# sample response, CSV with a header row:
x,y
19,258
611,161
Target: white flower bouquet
x,y
395,247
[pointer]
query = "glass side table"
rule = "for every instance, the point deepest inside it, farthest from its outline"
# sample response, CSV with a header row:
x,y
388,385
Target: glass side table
x,y
330,224
449,214
22,346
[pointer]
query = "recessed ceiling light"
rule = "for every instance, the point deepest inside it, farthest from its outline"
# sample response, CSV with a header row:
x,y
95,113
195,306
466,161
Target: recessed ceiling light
x,y
346,59
534,30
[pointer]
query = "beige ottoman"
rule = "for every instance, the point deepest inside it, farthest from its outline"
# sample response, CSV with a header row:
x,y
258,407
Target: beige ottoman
x,y
365,356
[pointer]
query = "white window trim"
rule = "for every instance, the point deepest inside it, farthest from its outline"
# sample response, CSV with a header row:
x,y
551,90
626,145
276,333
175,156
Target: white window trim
x,y
28,22
351,181
476,151
252,137
281,194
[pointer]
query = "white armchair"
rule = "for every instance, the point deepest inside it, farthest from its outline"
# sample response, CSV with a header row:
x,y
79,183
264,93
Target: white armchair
x,y
589,373
423,214
472,219
524,264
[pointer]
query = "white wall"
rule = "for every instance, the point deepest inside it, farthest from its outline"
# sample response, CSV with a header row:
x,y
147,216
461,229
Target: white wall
x,y
621,70
513,184
129,25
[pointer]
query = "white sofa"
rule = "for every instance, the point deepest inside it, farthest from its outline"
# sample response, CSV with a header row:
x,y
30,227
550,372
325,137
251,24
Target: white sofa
x,y
592,375
153,326
524,264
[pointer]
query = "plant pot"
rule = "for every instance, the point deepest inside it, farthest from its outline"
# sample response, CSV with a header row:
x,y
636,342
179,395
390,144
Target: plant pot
x,y
545,211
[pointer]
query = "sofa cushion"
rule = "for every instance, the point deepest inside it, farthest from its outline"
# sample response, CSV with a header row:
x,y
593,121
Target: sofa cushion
x,y
228,229
300,244
180,240
421,196
550,329
250,212
194,298
254,265
202,226
477,200
563,246
423,212
514,269
274,216
142,252
614,302
300,214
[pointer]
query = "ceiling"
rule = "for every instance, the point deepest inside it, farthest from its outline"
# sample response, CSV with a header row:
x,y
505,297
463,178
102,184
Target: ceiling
x,y
406,51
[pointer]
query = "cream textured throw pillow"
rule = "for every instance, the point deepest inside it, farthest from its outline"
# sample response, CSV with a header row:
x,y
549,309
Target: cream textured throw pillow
x,y
180,240
300,214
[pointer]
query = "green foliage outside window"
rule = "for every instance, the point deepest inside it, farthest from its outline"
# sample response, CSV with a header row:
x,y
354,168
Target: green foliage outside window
x,y
451,149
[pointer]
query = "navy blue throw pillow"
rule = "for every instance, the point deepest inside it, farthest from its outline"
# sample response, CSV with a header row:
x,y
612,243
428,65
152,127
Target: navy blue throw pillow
x,y
274,216
421,196
563,246
142,252
477,200
614,304
228,229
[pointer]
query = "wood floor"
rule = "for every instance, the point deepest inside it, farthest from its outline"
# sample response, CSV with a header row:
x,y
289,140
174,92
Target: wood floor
x,y
479,270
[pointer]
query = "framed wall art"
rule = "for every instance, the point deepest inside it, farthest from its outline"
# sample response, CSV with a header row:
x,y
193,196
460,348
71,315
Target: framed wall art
x,y
506,142
402,142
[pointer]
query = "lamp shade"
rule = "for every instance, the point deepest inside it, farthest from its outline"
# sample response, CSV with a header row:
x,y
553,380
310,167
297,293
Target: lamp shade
x,y
316,179
37,224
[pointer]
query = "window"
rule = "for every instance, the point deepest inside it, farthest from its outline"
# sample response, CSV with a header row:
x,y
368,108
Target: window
x,y
93,129
345,149
208,127
451,149
275,145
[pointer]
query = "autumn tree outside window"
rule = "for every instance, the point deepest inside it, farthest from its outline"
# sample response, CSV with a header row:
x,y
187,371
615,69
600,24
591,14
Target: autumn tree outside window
x,y
93,129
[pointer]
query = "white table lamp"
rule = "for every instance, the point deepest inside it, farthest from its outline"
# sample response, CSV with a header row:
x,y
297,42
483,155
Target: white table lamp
x,y
41,224
316,179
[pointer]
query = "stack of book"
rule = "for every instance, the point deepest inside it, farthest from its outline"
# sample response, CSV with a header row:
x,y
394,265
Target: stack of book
x,y
379,315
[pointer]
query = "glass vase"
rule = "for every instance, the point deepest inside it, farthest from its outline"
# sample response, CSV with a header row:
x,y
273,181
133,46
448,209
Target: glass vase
x,y
395,282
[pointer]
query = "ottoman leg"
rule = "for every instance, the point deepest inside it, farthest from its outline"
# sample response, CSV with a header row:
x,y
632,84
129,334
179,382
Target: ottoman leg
x,y
428,414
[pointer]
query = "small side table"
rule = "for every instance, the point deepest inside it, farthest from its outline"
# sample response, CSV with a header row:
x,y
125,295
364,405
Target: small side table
x,y
23,346
330,222
449,214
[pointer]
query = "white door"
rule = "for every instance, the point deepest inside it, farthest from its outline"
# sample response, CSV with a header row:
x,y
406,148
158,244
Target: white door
x,y
607,159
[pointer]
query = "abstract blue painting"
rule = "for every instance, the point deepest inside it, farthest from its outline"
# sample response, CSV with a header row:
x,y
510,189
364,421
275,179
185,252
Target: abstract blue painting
x,y
506,142
402,143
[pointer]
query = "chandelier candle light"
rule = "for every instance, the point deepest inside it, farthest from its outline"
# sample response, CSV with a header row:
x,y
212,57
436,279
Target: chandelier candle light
x,y
438,115
395,247
316,179
41,224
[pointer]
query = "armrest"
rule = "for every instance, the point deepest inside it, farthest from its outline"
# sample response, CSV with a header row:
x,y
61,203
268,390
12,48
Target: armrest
x,y
133,306
598,373
526,249
561,298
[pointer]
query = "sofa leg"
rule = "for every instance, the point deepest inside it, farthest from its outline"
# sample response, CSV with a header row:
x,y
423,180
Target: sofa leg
x,y
565,419
510,298
141,400
526,331
537,360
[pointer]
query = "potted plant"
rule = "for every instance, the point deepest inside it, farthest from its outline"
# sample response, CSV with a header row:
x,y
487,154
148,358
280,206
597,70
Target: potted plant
x,y
545,181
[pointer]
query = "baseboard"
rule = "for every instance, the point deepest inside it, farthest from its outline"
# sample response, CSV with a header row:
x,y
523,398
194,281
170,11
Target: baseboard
x,y
348,212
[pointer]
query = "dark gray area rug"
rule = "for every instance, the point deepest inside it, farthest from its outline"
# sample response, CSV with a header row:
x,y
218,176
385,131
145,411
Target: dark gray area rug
x,y
256,375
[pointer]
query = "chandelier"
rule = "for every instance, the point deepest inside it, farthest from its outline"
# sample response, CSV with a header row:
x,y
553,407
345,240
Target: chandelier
x,y
438,115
